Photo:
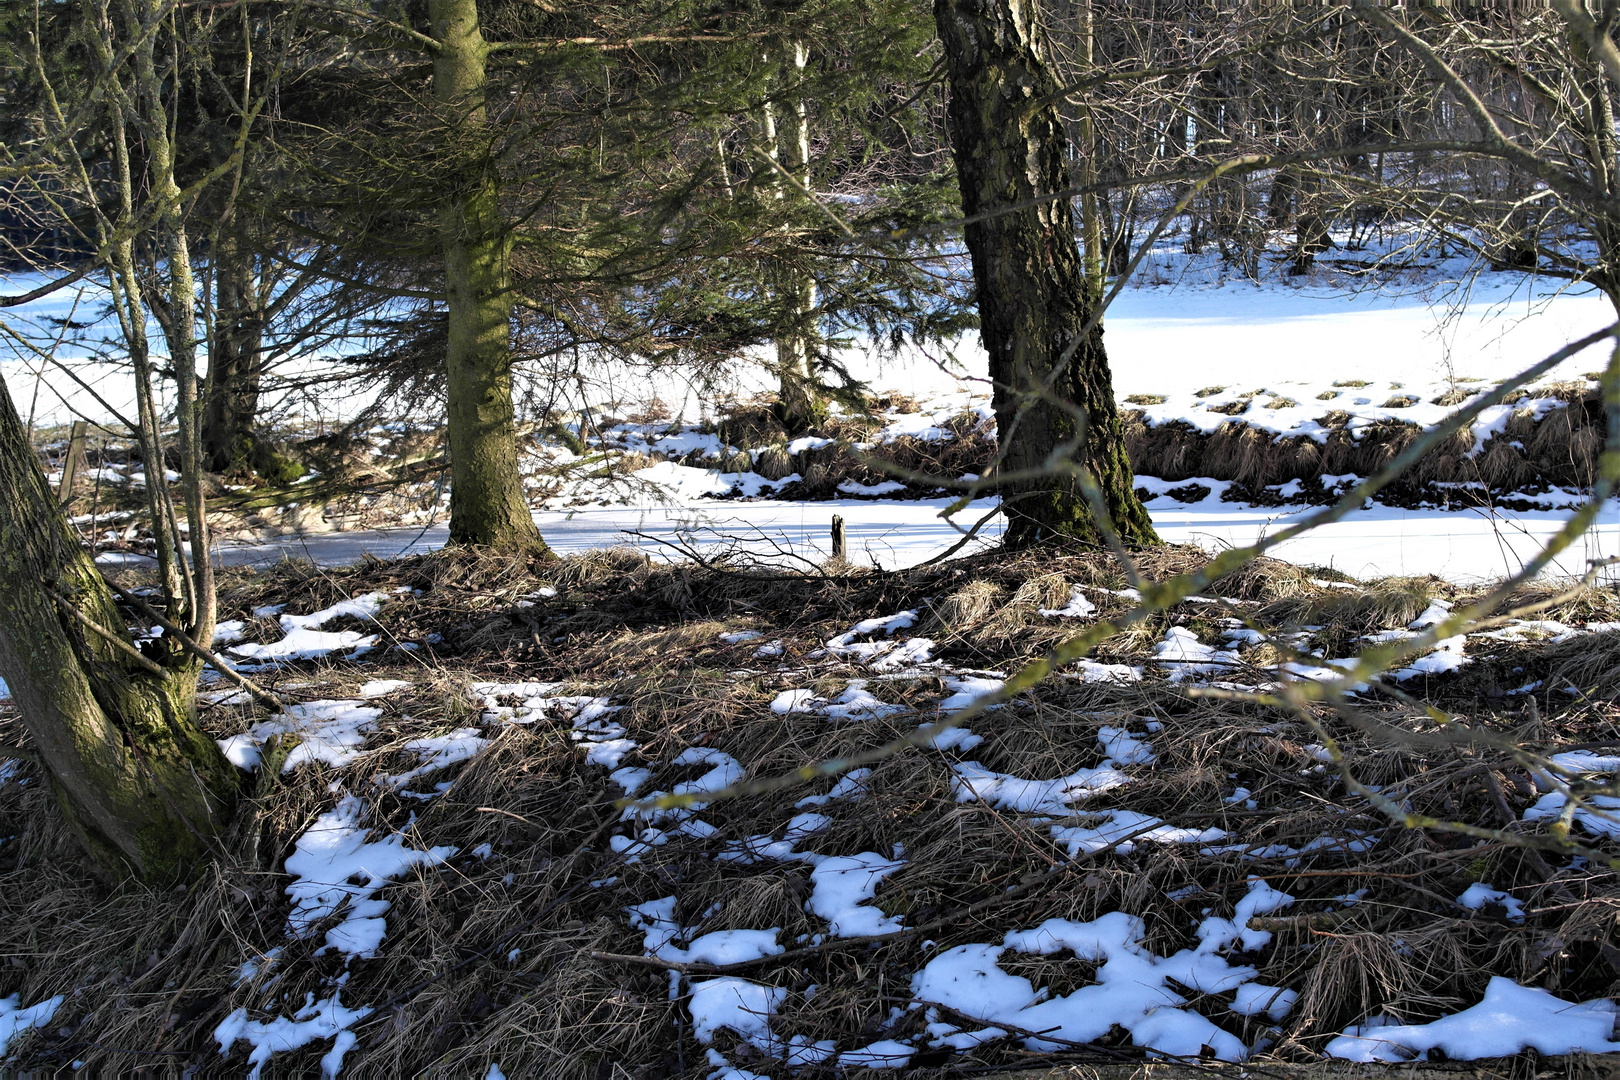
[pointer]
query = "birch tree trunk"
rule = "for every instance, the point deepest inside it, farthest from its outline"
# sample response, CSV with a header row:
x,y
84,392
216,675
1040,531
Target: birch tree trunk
x,y
486,496
1032,290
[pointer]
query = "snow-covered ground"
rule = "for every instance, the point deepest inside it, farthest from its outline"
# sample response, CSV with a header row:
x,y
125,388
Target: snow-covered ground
x,y
1177,329
1175,332
1460,546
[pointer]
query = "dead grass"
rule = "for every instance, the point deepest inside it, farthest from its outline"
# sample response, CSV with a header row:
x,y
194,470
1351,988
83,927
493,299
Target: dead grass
x,y
491,959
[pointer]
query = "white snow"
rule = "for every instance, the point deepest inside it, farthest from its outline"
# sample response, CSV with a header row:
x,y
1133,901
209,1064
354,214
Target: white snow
x,y
1132,987
852,785
1252,999
1184,656
337,870
304,640
375,688
361,607
438,752
1479,894
975,783
840,887
1117,825
227,631
323,1019
1078,606
331,731
1123,748
300,644
743,1007
724,771
14,1018
1509,1019
1600,814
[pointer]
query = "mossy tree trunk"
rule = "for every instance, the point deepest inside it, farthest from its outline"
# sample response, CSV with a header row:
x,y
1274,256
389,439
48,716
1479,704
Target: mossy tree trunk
x,y
145,789
486,499
1032,290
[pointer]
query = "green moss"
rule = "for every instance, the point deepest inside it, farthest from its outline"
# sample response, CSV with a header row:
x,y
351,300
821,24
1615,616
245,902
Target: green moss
x,y
275,468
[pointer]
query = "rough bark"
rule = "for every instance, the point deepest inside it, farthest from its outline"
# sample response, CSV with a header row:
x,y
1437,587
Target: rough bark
x,y
486,496
143,787
235,364
1031,283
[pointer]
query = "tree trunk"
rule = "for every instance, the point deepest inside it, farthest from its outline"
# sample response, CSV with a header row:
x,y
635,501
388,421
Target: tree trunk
x,y
800,400
235,364
144,788
486,494
1091,228
1033,300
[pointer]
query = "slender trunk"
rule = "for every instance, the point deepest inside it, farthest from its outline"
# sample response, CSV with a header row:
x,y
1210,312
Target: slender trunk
x,y
486,495
802,407
1033,300
1091,225
193,607
144,788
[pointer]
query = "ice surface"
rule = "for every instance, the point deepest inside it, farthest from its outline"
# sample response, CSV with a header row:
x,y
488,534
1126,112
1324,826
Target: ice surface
x,y
1458,545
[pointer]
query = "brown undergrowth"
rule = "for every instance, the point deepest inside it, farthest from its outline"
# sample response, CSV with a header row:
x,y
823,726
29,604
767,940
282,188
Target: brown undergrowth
x,y
521,952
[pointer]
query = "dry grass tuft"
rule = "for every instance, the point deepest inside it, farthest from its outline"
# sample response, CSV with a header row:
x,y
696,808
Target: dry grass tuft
x,y
490,959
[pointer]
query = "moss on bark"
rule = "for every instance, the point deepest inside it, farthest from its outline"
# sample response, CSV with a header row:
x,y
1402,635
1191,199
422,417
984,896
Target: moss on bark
x,y
145,789
486,495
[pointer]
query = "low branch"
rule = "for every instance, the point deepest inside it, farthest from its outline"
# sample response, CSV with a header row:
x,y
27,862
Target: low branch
x,y
109,637
208,655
